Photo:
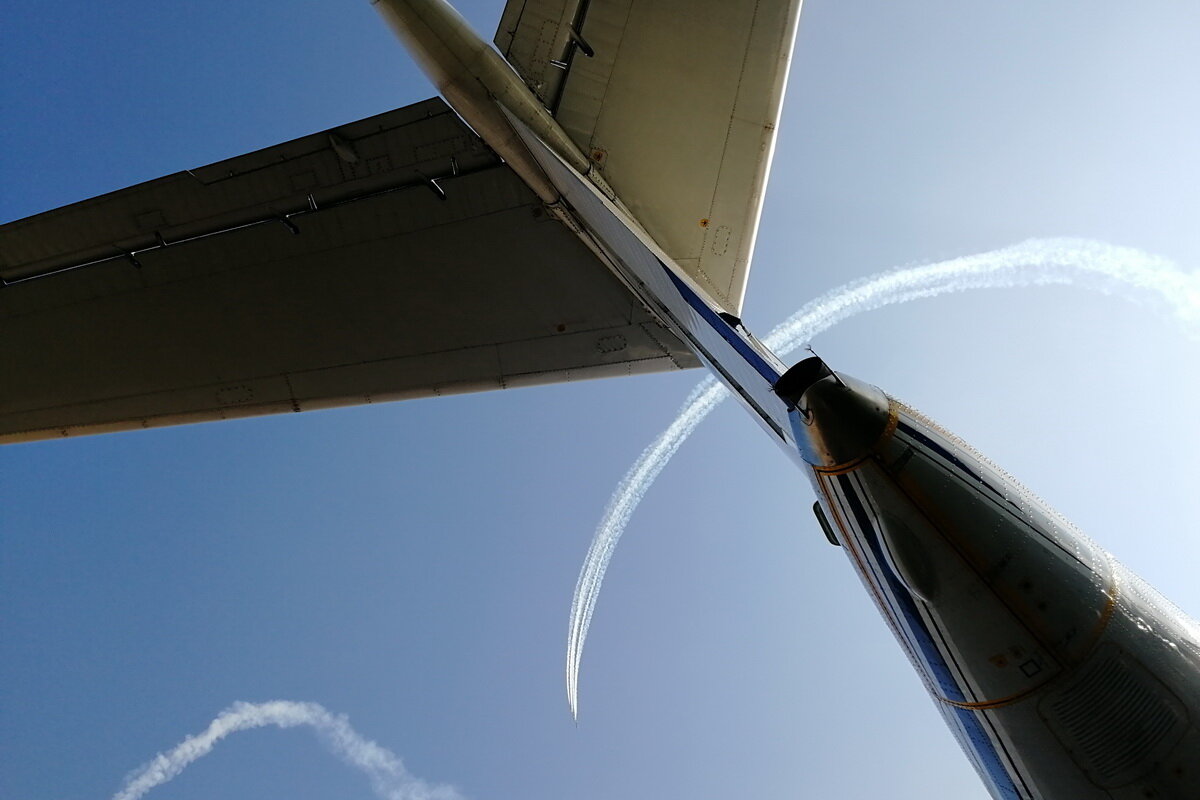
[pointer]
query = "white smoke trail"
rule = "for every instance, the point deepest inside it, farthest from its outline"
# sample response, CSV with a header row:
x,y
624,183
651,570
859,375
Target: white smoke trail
x,y
1098,266
389,779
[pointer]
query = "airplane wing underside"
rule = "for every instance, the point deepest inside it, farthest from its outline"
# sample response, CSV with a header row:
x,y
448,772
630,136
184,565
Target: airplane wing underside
x,y
677,102
391,258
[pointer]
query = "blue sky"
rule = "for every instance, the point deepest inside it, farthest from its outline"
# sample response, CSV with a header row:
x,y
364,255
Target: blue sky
x,y
411,565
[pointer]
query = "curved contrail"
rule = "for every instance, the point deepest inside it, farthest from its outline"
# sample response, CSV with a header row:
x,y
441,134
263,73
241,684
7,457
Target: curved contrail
x,y
389,779
1094,265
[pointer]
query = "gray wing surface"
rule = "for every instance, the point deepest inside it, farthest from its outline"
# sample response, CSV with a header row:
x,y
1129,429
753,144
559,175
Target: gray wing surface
x,y
391,258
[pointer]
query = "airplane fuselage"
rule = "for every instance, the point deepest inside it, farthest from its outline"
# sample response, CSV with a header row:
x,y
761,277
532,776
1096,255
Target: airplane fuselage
x,y
1061,673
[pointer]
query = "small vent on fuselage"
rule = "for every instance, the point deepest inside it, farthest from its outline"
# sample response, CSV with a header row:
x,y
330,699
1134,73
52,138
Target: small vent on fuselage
x,y
1114,718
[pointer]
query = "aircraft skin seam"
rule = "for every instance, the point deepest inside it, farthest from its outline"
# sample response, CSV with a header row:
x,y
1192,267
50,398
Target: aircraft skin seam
x,y
958,543
972,478
648,328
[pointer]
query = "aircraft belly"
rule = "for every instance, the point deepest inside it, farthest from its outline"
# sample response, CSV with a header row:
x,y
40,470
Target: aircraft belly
x,y
1059,672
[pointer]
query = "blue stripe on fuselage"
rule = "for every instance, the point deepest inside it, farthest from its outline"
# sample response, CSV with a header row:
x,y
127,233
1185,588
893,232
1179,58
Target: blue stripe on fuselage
x,y
939,669
982,745
946,454
714,320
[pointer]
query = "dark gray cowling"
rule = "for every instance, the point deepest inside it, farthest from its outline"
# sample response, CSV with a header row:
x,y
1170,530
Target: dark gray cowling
x,y
840,417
